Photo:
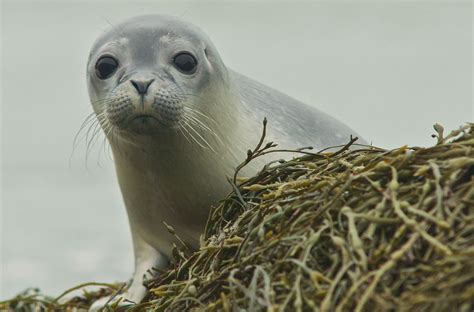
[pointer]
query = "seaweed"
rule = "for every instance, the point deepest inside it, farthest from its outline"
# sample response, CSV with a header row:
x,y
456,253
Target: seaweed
x,y
357,229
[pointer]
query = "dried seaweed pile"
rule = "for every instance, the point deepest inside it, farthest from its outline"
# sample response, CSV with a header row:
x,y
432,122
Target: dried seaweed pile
x,y
366,230
352,230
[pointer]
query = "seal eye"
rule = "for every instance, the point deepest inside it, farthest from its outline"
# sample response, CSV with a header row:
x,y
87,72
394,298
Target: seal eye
x,y
185,63
105,67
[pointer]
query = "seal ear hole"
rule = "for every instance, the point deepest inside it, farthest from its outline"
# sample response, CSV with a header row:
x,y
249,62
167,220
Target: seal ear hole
x,y
106,67
206,53
185,62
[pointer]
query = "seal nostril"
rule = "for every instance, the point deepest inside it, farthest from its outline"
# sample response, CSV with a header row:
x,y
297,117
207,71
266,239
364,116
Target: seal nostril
x,y
142,85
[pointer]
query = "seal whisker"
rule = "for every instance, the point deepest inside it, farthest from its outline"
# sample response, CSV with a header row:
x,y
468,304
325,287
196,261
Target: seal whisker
x,y
110,137
102,118
188,122
191,135
107,128
103,147
97,136
106,125
190,94
87,138
95,130
102,101
88,123
196,111
184,135
89,118
200,124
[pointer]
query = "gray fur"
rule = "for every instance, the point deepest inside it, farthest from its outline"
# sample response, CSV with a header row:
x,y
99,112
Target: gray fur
x,y
294,124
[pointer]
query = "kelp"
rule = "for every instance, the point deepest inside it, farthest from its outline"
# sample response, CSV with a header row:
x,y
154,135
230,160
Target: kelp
x,y
356,229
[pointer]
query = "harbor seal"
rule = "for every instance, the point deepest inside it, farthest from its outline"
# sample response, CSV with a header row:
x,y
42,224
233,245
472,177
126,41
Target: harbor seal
x,y
179,122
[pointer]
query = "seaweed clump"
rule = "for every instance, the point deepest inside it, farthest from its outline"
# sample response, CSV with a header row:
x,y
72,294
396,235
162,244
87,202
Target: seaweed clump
x,y
358,229
361,229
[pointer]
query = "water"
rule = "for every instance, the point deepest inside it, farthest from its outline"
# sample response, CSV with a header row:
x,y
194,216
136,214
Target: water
x,y
389,70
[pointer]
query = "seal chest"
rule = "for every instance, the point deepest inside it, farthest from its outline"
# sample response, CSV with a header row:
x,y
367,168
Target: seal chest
x,y
179,122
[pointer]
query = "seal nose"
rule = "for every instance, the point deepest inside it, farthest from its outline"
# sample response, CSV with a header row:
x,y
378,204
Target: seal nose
x,y
141,85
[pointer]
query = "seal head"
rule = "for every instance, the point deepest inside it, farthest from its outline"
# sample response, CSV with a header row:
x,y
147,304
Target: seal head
x,y
145,77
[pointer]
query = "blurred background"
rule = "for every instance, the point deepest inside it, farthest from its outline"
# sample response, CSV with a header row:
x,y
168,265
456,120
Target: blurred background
x,y
389,69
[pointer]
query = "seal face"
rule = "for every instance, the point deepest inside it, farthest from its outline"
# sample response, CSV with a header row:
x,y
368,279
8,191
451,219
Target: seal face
x,y
178,122
144,76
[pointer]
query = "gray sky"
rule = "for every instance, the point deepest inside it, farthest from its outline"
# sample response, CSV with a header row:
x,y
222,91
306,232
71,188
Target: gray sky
x,y
389,69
